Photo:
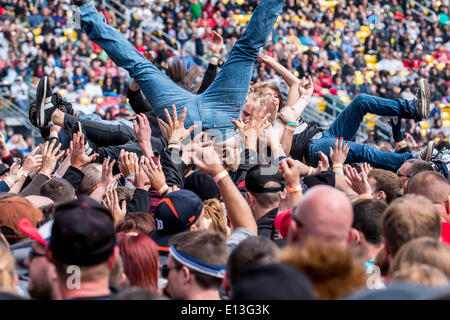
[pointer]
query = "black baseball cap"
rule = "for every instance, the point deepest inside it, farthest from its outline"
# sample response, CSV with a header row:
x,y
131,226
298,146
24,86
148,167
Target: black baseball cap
x,y
83,233
174,214
202,185
258,175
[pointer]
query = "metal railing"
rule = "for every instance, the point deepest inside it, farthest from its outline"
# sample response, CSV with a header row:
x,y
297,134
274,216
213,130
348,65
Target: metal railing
x,y
419,9
15,116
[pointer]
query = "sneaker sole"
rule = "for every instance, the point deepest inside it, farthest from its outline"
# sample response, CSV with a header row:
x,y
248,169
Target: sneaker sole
x,y
429,153
46,103
425,98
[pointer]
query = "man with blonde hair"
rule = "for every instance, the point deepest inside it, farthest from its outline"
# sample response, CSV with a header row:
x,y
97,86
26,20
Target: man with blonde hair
x,y
407,218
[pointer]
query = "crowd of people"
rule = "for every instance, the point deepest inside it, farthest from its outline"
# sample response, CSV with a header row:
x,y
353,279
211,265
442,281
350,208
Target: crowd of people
x,y
210,185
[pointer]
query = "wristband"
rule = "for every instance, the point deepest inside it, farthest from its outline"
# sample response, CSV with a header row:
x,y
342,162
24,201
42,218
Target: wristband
x,y
366,196
220,175
338,166
294,190
214,58
398,144
310,171
175,142
5,153
25,174
291,123
276,146
163,189
174,146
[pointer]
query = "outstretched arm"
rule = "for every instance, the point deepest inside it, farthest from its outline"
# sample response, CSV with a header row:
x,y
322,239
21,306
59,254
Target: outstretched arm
x,y
291,80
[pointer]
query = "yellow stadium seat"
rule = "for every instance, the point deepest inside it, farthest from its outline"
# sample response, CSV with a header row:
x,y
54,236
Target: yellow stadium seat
x,y
446,115
321,105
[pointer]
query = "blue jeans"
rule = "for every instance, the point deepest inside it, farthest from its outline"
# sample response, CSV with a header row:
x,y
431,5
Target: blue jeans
x,y
347,123
222,102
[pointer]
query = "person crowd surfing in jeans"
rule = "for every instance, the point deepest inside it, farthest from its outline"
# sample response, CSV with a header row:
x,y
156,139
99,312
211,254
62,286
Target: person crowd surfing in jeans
x,y
222,101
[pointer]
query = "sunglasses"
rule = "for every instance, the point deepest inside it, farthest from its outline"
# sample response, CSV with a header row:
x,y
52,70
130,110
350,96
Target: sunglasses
x,y
33,254
165,270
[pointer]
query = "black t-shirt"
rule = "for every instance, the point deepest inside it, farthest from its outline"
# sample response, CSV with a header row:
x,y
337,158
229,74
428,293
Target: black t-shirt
x,y
301,139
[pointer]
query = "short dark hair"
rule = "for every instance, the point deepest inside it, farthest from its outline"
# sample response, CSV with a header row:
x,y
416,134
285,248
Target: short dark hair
x,y
367,216
248,253
58,190
388,182
142,221
92,174
206,246
48,213
417,166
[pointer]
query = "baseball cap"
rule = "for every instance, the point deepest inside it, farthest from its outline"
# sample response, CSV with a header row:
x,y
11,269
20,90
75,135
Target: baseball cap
x,y
175,213
258,175
41,235
263,283
14,209
202,185
82,233
282,222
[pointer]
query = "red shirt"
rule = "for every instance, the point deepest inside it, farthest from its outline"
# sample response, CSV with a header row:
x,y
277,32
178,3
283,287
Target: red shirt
x,y
445,233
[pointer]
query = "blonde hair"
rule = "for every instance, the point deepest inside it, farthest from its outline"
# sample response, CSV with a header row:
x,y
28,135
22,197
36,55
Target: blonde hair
x,y
425,250
421,274
334,270
214,211
7,274
409,217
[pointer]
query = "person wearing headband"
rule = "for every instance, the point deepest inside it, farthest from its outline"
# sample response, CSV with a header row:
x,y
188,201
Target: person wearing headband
x,y
196,265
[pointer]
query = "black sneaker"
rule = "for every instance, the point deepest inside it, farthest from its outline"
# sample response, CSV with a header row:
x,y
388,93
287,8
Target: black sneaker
x,y
44,104
62,104
423,99
426,153
88,146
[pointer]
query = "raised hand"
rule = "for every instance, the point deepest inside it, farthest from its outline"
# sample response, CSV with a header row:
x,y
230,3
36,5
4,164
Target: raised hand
x,y
141,180
112,203
358,182
207,160
107,168
127,162
143,134
175,127
306,88
264,58
154,172
32,161
149,56
340,152
291,169
365,168
324,164
255,125
50,156
216,44
78,158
